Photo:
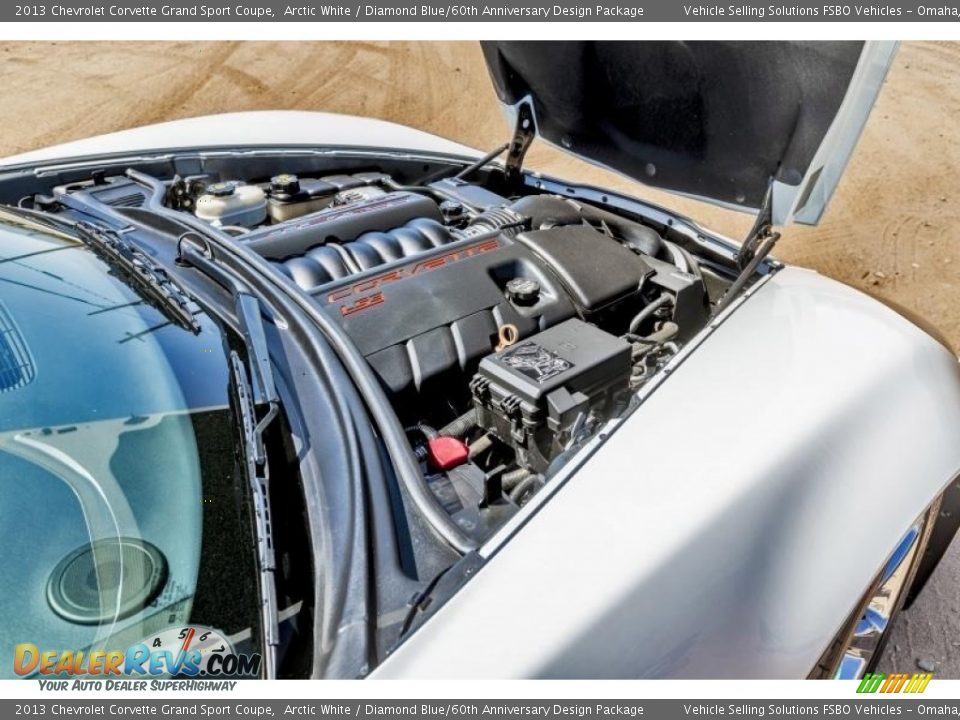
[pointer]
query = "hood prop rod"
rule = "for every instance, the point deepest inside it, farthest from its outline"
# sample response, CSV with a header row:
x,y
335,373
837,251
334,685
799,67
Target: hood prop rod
x,y
489,157
755,249
523,135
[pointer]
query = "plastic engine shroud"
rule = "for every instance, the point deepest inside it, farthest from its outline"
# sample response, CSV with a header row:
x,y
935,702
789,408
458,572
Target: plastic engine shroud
x,y
429,319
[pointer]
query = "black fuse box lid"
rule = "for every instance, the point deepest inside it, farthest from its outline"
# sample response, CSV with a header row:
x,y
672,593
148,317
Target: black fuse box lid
x,y
573,355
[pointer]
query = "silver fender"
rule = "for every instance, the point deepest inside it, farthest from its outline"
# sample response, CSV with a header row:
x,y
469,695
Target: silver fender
x,y
730,525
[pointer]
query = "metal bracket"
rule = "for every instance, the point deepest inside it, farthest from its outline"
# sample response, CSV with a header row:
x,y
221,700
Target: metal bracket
x,y
761,230
523,135
754,250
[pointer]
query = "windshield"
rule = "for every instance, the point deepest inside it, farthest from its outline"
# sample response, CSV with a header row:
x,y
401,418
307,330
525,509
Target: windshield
x,y
122,514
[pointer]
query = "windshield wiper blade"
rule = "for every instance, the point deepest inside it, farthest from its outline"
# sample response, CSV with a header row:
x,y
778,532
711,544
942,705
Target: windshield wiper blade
x,y
154,283
258,404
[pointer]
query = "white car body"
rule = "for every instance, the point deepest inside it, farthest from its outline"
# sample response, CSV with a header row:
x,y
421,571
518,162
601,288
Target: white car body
x,y
287,128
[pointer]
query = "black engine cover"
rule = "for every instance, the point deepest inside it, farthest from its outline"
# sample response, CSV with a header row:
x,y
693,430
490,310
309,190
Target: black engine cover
x,y
595,270
420,322
424,323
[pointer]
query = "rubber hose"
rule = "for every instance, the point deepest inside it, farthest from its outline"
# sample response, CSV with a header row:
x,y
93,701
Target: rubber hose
x,y
513,478
548,210
552,210
427,431
461,426
524,486
666,332
636,236
480,445
647,312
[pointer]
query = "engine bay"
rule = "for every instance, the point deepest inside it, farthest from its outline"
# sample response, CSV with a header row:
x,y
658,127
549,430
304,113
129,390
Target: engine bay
x,y
507,324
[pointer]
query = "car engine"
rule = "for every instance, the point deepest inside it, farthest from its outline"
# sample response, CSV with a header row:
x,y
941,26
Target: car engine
x,y
506,329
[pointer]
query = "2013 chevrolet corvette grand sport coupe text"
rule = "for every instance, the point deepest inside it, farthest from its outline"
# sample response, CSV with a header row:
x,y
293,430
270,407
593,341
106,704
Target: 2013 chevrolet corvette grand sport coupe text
x,y
294,394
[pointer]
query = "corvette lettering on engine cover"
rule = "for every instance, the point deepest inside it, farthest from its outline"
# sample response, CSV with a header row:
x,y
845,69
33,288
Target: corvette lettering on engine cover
x,y
368,293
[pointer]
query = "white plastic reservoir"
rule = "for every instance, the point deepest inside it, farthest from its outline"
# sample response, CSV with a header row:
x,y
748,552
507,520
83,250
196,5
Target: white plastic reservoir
x,y
232,203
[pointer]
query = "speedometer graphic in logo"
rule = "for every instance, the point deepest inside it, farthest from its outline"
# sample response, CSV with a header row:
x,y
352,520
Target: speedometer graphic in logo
x,y
191,650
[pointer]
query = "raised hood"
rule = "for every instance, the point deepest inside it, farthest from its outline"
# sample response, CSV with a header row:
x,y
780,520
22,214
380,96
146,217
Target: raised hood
x,y
713,120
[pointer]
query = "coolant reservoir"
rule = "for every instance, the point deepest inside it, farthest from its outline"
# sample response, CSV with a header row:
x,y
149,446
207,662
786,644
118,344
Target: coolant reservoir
x,y
232,203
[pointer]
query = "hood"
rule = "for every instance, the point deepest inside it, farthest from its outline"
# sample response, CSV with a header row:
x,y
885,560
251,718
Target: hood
x,y
713,120
262,128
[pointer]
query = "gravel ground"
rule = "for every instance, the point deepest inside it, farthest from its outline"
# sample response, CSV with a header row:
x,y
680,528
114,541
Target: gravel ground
x,y
891,230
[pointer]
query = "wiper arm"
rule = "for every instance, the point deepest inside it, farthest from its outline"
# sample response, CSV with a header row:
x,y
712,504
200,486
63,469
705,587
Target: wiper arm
x,y
250,317
249,312
258,403
258,475
154,283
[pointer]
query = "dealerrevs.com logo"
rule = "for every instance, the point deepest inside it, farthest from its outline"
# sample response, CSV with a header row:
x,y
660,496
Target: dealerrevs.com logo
x,y
191,652
894,683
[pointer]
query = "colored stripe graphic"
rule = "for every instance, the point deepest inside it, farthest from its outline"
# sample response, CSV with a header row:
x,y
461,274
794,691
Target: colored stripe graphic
x,y
894,683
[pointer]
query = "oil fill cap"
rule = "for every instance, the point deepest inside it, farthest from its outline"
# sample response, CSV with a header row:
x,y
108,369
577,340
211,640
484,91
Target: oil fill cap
x,y
452,211
523,291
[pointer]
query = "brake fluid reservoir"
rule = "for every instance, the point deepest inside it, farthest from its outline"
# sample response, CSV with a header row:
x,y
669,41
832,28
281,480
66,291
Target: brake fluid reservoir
x,y
232,203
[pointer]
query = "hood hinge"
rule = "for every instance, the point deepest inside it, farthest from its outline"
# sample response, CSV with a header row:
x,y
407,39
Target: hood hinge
x,y
523,135
758,244
762,229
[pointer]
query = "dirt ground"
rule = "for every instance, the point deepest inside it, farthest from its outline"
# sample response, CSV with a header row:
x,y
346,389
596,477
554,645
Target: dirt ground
x,y
892,228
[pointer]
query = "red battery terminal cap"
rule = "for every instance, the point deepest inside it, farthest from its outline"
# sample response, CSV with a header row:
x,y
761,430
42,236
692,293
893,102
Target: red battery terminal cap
x,y
444,453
